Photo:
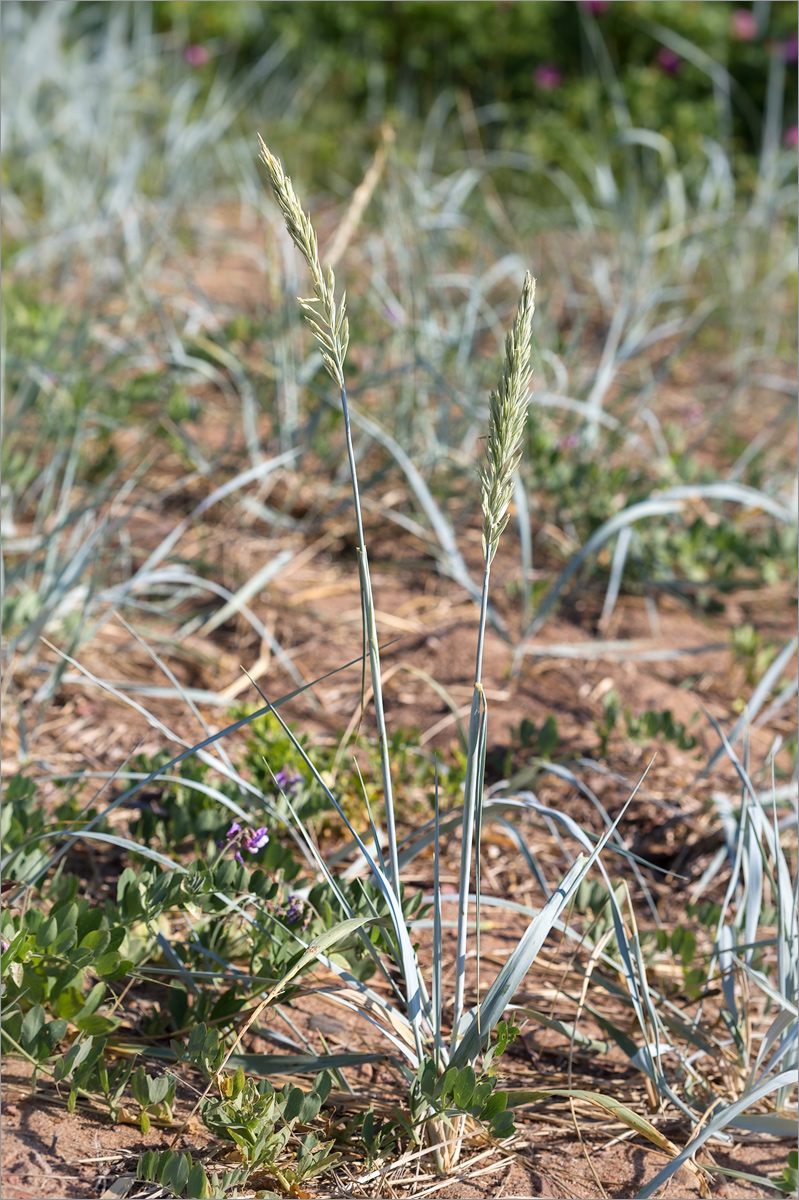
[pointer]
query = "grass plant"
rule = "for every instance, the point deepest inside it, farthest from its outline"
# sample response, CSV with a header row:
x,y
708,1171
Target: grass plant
x,y
508,408
230,903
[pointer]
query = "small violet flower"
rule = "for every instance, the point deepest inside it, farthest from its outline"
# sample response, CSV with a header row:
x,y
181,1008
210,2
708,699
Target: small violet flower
x,y
668,61
547,77
595,7
790,49
257,840
287,780
295,910
249,840
743,23
790,139
568,441
4,944
196,56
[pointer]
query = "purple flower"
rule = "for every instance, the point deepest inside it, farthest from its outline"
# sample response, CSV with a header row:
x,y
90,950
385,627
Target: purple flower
x,y
196,56
295,910
287,780
568,441
547,77
249,840
790,138
596,7
743,24
257,840
4,944
668,61
790,49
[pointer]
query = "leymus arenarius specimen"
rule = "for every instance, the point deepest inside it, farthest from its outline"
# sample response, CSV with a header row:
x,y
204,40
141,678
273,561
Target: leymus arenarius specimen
x,y
506,417
328,322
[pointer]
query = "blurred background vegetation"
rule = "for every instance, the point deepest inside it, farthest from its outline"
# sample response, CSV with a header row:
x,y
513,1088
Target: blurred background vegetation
x,y
682,67
542,73
640,156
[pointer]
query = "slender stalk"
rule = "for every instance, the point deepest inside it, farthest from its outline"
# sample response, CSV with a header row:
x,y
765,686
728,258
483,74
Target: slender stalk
x,y
328,321
436,992
474,782
507,414
372,644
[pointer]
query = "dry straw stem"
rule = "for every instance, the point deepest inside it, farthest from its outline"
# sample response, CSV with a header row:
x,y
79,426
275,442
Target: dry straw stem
x,y
332,333
506,416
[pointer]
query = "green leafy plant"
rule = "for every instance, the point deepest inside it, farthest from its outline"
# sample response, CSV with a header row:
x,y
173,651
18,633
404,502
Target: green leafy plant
x,y
24,823
155,1095
464,1091
84,1069
651,724
747,645
261,1122
184,1177
611,708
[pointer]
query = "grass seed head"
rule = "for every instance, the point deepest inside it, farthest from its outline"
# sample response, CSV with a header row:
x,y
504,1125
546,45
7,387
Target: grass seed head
x,y
328,321
507,412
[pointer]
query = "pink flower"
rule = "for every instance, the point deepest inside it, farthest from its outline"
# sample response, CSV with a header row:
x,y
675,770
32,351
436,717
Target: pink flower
x,y
743,23
196,56
668,61
547,77
790,49
595,7
790,138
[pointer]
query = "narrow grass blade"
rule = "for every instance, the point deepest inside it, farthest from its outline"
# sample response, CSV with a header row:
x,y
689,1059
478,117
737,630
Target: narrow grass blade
x,y
667,502
407,956
259,471
504,987
267,1065
436,986
324,941
755,703
717,1123
616,573
246,592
